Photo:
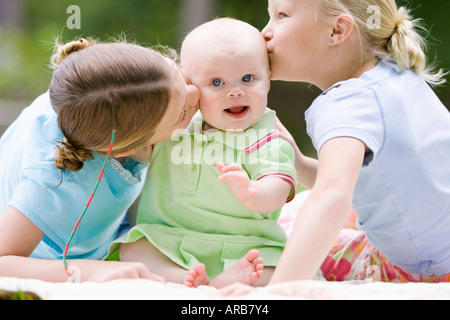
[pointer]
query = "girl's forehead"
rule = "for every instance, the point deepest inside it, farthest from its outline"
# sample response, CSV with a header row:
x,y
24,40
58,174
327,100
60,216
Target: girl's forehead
x,y
177,75
286,4
172,64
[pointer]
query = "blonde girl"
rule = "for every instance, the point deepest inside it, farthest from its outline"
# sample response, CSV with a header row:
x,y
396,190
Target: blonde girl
x,y
382,137
51,156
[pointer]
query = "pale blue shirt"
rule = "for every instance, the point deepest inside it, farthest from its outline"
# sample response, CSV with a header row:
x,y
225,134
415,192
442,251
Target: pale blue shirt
x,y
402,197
31,183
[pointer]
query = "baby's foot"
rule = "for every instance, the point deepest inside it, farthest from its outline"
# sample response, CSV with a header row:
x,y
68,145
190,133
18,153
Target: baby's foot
x,y
196,277
247,271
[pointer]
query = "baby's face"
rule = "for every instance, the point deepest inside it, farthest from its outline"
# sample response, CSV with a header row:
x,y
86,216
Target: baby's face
x,y
233,83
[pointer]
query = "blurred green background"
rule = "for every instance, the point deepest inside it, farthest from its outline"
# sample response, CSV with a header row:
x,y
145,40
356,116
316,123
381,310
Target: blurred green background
x,y
28,29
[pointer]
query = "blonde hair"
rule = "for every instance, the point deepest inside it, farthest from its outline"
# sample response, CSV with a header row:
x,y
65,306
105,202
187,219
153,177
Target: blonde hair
x,y
98,87
395,38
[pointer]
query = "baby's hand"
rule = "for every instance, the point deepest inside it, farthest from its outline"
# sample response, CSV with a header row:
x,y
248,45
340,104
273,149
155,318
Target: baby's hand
x,y
238,181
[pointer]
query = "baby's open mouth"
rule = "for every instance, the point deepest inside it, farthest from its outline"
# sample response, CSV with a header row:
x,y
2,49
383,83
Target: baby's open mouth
x,y
237,112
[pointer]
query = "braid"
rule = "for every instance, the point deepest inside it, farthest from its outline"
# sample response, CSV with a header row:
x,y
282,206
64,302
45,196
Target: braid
x,y
69,157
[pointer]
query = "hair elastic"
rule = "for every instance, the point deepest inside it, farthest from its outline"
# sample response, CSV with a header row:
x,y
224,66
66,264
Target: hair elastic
x,y
87,206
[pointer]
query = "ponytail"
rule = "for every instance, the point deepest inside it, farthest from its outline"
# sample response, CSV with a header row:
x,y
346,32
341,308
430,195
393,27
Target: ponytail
x,y
395,38
62,51
70,157
407,48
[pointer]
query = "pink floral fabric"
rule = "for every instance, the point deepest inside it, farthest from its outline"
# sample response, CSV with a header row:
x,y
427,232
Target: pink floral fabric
x,y
353,258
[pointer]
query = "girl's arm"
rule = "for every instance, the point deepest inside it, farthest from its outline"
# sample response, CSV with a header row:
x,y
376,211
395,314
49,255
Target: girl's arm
x,y
263,196
324,212
18,239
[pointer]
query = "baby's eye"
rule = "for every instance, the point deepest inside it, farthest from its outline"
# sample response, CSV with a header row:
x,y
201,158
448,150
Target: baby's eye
x,y
247,78
217,83
282,15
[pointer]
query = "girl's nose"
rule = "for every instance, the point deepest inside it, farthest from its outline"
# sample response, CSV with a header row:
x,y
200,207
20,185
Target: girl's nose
x,y
267,33
236,92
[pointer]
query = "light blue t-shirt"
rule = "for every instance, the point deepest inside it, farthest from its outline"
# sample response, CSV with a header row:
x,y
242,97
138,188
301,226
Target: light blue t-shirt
x,y
53,199
402,197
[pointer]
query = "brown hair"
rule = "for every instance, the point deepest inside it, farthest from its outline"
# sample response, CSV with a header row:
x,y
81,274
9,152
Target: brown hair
x,y
96,88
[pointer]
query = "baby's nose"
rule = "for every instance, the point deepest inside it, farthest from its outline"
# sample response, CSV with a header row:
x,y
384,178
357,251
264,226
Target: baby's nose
x,y
236,92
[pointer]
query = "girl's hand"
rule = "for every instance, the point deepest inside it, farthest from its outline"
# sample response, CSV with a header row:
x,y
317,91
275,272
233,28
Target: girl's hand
x,y
114,270
238,181
287,136
284,133
306,167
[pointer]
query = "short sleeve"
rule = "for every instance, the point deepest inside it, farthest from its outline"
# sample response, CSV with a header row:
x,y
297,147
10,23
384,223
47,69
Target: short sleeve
x,y
356,115
43,199
54,200
274,158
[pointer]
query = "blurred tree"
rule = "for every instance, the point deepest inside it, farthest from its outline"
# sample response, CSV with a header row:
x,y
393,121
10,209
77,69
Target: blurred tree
x,y
24,51
195,12
28,29
11,13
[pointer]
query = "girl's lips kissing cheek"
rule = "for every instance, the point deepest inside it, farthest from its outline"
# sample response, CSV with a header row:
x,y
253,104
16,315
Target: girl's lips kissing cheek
x,y
237,111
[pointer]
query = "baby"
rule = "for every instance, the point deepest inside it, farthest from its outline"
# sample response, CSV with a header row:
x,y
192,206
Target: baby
x,y
197,222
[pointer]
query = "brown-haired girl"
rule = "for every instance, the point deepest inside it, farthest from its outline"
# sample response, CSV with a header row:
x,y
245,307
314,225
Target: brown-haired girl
x,y
51,156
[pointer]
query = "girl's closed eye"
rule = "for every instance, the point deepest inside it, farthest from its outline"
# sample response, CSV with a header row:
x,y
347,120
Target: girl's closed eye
x,y
282,16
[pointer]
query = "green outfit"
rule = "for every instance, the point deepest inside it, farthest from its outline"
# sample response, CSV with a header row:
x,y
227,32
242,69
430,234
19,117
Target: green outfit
x,y
192,217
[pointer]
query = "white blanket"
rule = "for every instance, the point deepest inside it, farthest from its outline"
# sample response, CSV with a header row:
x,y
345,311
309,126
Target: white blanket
x,y
149,290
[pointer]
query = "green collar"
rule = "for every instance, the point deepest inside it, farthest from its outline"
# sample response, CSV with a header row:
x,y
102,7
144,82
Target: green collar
x,y
237,140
